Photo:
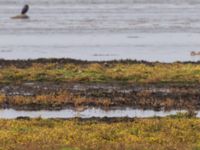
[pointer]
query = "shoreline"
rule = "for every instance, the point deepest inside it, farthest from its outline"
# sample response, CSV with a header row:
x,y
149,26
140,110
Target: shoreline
x,y
28,62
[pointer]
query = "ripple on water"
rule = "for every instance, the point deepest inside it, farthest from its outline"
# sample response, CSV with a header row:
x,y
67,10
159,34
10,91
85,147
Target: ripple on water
x,y
153,30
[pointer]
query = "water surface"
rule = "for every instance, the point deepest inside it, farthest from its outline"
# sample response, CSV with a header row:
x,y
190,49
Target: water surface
x,y
87,113
154,30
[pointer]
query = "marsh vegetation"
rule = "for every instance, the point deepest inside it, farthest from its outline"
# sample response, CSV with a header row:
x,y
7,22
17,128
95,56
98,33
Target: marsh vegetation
x,y
58,83
179,132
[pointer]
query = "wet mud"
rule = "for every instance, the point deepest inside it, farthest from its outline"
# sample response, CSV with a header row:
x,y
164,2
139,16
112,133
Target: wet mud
x,y
56,96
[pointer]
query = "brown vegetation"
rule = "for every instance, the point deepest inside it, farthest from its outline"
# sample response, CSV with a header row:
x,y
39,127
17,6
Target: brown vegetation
x,y
58,96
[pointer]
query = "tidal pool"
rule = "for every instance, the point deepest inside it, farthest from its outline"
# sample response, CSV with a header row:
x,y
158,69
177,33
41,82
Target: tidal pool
x,y
87,113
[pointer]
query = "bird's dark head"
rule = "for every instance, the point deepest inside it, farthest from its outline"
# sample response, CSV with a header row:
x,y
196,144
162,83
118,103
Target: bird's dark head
x,y
25,9
27,6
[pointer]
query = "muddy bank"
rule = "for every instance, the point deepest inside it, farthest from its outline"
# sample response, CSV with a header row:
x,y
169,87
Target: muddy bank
x,y
29,62
48,95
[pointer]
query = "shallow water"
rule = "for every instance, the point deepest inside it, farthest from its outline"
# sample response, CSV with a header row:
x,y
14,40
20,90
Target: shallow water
x,y
87,113
153,30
